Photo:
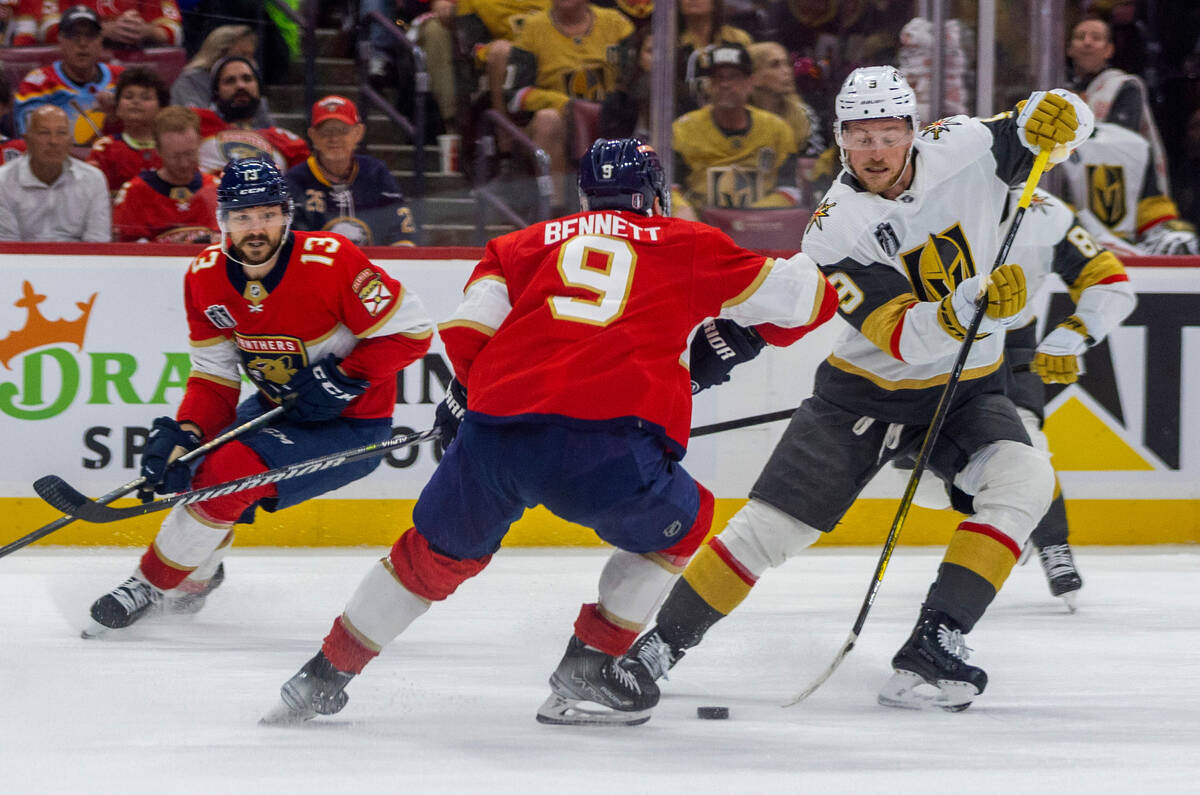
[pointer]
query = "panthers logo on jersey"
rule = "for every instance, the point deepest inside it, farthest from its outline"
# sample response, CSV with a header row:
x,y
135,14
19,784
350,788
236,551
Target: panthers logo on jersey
x,y
940,265
1106,193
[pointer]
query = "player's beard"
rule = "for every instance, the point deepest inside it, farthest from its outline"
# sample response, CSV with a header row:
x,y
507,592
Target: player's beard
x,y
240,107
249,258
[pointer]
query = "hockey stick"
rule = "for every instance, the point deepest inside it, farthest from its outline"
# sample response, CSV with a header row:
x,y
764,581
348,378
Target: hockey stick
x,y
121,491
65,498
935,427
744,422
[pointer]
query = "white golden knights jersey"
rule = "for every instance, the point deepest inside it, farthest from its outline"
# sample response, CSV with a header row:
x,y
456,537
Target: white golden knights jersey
x,y
892,261
1111,177
1052,240
323,297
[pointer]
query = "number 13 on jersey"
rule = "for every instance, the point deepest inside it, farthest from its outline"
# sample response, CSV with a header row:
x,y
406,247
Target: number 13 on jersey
x,y
601,265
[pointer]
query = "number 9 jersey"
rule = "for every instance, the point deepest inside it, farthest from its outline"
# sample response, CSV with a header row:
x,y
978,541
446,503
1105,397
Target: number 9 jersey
x,y
585,320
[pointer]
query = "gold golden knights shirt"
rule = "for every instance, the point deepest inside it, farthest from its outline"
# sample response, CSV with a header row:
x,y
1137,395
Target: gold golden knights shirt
x,y
893,260
322,297
1051,240
547,68
1111,180
741,168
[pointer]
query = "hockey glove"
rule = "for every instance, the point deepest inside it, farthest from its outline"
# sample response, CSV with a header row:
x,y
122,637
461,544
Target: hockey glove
x,y
321,391
1171,237
450,412
1006,297
1054,121
167,441
718,347
1057,358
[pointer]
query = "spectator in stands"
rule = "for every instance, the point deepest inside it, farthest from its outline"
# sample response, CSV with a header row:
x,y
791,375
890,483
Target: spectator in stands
x,y
80,83
125,24
141,94
434,34
774,89
701,25
487,29
201,17
174,203
228,127
626,111
340,191
729,153
194,85
1113,95
560,55
9,148
49,195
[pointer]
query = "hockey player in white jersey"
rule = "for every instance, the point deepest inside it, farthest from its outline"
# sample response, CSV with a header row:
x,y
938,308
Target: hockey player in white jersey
x,y
906,234
1053,241
1111,181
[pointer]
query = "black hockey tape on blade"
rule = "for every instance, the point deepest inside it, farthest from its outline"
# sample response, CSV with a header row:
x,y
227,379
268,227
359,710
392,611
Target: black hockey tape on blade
x,y
712,713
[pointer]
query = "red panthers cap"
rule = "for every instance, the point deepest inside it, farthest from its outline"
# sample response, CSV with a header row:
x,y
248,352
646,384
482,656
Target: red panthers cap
x,y
334,107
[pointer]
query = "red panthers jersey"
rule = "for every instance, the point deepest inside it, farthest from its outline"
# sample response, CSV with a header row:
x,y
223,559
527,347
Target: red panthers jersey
x,y
224,142
147,208
11,149
121,162
37,20
587,318
322,297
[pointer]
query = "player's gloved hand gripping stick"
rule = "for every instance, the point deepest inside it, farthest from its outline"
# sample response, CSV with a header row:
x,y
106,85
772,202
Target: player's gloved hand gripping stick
x,y
982,308
141,481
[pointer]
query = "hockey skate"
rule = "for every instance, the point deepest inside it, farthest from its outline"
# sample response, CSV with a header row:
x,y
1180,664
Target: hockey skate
x,y
130,601
930,669
1061,574
188,597
317,689
653,654
591,688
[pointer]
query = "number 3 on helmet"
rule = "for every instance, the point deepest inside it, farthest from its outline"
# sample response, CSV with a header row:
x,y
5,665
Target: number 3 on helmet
x,y
623,174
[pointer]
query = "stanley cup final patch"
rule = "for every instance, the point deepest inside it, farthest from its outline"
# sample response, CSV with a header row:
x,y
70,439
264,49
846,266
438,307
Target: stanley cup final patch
x,y
220,316
371,290
888,240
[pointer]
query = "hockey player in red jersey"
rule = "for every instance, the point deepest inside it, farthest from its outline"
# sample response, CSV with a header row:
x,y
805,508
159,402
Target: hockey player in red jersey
x,y
572,391
318,328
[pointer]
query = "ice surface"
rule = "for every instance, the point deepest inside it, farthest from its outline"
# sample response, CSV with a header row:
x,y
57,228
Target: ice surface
x,y
1103,701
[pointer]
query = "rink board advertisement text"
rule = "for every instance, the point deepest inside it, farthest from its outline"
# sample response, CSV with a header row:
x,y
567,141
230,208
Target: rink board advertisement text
x,y
93,347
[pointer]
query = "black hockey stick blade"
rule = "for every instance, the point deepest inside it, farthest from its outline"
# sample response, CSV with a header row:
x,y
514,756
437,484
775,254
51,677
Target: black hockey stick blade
x,y
65,498
61,495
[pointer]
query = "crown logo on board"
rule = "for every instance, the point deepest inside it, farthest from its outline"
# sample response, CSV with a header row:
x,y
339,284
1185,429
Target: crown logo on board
x,y
39,331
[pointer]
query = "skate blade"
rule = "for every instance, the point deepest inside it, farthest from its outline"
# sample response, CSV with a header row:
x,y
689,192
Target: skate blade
x,y
95,630
283,715
907,690
1069,599
559,711
1025,553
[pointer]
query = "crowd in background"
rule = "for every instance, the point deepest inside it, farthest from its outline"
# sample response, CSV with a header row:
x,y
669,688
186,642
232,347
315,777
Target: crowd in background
x,y
753,99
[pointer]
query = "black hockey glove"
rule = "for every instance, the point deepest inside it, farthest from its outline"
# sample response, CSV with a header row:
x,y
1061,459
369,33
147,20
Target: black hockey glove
x,y
450,412
321,391
167,441
718,347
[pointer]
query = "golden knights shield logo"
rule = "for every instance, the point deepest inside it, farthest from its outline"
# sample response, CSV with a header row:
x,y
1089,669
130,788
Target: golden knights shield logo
x,y
730,186
1106,193
940,265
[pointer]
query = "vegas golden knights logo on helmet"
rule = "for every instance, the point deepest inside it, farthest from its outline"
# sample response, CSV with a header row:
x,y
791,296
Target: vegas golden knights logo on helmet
x,y
1106,193
940,265
730,186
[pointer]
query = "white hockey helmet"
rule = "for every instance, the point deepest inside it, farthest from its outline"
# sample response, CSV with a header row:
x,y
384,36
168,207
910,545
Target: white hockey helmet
x,y
874,92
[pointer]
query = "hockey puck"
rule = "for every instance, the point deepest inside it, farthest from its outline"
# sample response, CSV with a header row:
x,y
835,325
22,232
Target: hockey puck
x,y
712,713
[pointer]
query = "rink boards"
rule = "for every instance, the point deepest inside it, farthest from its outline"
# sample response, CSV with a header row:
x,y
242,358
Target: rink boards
x,y
93,347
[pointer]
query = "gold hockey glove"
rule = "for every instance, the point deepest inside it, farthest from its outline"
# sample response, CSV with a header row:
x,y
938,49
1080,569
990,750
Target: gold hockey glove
x,y
1057,358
